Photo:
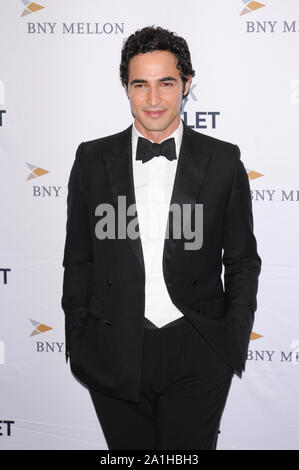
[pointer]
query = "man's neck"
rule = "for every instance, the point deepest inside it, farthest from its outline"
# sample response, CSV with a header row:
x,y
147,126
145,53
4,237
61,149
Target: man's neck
x,y
158,136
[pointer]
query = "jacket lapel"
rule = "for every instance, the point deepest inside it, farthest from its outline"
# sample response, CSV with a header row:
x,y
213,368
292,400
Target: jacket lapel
x,y
120,174
191,168
189,176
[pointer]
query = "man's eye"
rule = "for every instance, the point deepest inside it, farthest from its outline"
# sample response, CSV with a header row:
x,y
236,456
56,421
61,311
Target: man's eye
x,y
139,85
167,83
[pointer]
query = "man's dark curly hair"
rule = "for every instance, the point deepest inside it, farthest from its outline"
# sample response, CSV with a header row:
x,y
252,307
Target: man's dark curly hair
x,y
150,39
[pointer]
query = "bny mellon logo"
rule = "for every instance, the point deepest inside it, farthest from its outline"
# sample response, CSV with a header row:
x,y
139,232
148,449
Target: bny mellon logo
x,y
251,6
254,336
31,7
35,171
39,328
252,175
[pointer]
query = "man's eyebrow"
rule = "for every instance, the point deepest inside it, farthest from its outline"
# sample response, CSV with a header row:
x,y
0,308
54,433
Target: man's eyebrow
x,y
163,79
168,79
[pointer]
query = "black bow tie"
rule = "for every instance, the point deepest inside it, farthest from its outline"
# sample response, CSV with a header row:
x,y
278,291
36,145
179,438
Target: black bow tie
x,y
147,150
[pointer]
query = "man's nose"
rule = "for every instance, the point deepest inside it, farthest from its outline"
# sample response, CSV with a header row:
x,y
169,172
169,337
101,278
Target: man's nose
x,y
154,96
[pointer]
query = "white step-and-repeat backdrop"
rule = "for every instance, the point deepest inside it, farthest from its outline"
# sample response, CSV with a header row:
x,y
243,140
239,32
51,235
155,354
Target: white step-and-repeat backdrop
x,y
59,86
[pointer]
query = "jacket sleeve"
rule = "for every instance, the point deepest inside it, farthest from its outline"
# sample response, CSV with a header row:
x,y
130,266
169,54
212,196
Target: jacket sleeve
x,y
78,255
240,259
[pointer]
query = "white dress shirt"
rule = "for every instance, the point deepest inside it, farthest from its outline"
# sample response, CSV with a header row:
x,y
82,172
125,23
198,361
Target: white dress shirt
x,y
153,182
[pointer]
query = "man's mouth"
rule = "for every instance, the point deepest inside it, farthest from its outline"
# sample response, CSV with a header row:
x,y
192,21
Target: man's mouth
x,y
155,114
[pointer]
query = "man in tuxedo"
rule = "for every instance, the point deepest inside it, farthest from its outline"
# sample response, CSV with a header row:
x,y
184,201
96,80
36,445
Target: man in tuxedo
x,y
150,328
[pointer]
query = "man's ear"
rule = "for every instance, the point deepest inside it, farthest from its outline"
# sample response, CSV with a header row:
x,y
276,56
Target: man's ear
x,y
187,86
126,90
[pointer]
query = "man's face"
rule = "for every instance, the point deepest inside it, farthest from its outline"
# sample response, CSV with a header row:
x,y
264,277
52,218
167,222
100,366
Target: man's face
x,y
155,90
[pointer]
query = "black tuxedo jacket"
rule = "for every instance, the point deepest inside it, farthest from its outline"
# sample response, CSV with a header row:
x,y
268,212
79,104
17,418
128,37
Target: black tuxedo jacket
x,y
104,279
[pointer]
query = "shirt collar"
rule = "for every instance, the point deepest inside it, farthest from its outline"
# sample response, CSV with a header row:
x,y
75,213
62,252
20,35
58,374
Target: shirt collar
x,y
177,134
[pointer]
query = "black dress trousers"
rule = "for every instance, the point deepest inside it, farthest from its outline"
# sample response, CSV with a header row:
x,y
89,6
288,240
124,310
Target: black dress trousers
x,y
184,387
